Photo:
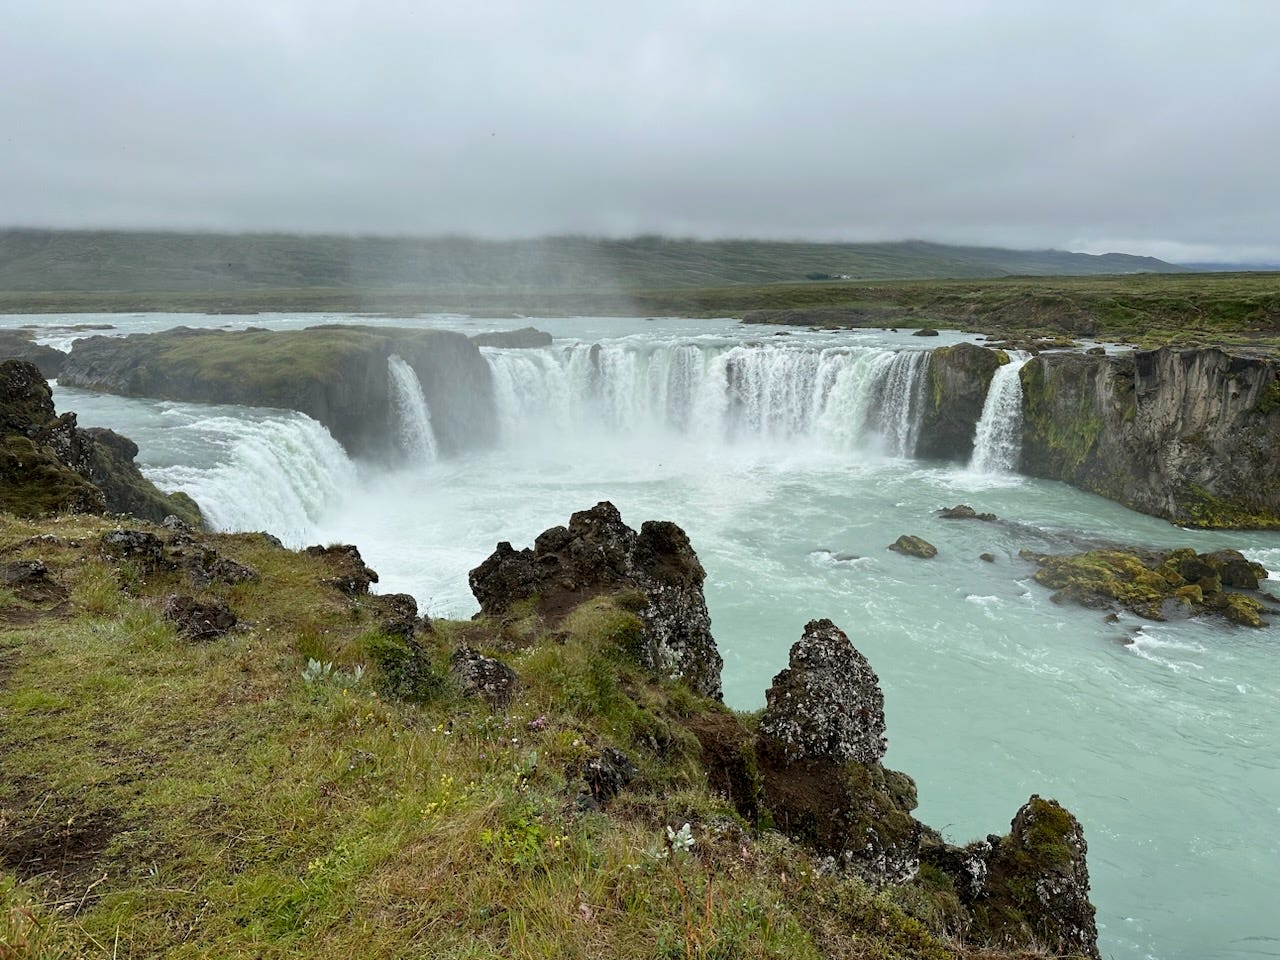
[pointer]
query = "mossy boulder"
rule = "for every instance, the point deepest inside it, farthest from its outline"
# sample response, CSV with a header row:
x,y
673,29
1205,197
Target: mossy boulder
x,y
1155,584
912,546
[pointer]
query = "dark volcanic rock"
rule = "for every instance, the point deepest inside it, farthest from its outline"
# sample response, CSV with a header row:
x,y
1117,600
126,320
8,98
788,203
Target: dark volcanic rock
x,y
598,554
925,332
1037,886
400,618
484,677
959,379
827,704
143,548
351,576
820,741
48,464
1189,435
524,338
962,511
17,345
199,620
912,546
604,777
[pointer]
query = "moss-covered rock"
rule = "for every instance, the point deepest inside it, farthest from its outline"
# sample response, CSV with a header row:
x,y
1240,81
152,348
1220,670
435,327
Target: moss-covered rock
x,y
910,545
337,375
959,378
50,465
1154,584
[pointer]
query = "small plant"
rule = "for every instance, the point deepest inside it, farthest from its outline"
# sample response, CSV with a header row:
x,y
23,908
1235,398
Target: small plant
x,y
679,841
317,672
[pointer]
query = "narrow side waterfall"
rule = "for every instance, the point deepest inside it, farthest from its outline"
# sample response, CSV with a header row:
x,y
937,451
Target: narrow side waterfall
x,y
997,441
412,416
837,397
277,473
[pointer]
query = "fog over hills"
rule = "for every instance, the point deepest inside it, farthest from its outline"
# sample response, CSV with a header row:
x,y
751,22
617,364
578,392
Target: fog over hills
x,y
39,260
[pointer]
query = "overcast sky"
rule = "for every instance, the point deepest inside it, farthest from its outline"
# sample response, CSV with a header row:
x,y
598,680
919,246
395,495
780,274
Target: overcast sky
x,y
1147,127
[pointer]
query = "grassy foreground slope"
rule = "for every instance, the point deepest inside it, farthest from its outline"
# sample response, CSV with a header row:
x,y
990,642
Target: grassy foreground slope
x,y
166,797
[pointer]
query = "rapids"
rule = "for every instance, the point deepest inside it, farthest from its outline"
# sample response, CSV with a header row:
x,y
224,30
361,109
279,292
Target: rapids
x,y
785,454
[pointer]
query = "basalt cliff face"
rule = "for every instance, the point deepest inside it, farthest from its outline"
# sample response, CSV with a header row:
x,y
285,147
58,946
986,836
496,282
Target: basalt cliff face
x,y
1187,435
335,374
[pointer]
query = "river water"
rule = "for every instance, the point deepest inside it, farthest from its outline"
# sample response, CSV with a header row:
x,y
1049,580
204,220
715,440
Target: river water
x,y
787,458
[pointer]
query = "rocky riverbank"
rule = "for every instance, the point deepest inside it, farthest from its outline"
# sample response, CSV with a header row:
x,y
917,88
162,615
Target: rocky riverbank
x,y
323,771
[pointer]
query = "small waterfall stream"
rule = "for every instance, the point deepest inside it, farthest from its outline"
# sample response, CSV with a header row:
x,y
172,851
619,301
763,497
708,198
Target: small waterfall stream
x,y
997,441
413,417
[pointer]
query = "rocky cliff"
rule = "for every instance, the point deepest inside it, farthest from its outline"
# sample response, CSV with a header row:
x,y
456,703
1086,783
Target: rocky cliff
x,y
50,465
959,378
1188,435
334,374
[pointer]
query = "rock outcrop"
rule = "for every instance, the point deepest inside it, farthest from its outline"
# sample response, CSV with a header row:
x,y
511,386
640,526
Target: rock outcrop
x,y
820,743
18,345
597,554
1156,585
1029,886
912,546
819,747
959,378
335,374
48,464
524,338
1192,436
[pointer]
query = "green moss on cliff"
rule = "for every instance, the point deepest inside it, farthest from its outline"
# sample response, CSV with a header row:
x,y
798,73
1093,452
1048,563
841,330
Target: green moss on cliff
x,y
1063,432
1204,509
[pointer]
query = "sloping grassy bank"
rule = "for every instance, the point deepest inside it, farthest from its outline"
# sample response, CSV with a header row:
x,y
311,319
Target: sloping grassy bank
x,y
307,785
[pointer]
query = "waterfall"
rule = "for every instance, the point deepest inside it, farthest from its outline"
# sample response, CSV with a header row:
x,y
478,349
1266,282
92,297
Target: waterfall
x,y
997,441
278,472
412,416
835,397
901,401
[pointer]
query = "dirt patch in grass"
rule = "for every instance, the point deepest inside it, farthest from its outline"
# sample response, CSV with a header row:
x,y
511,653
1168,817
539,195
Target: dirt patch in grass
x,y
61,850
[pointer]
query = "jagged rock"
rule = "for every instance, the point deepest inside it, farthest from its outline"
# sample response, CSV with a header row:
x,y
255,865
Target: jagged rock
x,y
352,577
18,345
50,465
484,677
604,777
598,554
1037,884
203,564
827,704
198,620
912,546
820,741
400,618
962,511
139,546
524,338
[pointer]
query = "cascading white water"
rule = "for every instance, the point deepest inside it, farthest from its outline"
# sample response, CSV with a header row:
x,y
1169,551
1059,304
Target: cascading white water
x,y
901,401
412,415
277,473
997,441
714,392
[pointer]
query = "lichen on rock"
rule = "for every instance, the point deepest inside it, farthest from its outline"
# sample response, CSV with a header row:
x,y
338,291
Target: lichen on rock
x,y
597,554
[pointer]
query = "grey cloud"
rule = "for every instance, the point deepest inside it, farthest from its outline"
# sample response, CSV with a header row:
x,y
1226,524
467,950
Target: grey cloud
x,y
1029,124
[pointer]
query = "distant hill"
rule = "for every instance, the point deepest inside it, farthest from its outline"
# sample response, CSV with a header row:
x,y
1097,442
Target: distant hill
x,y
46,260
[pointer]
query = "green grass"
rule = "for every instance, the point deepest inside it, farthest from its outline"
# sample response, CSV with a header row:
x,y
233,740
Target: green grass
x,y
164,798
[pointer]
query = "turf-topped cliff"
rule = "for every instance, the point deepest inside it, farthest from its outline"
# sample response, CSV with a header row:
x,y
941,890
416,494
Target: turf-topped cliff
x,y
336,374
1191,435
218,747
49,465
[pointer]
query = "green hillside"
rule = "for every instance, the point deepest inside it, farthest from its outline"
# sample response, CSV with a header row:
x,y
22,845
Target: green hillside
x,y
65,261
